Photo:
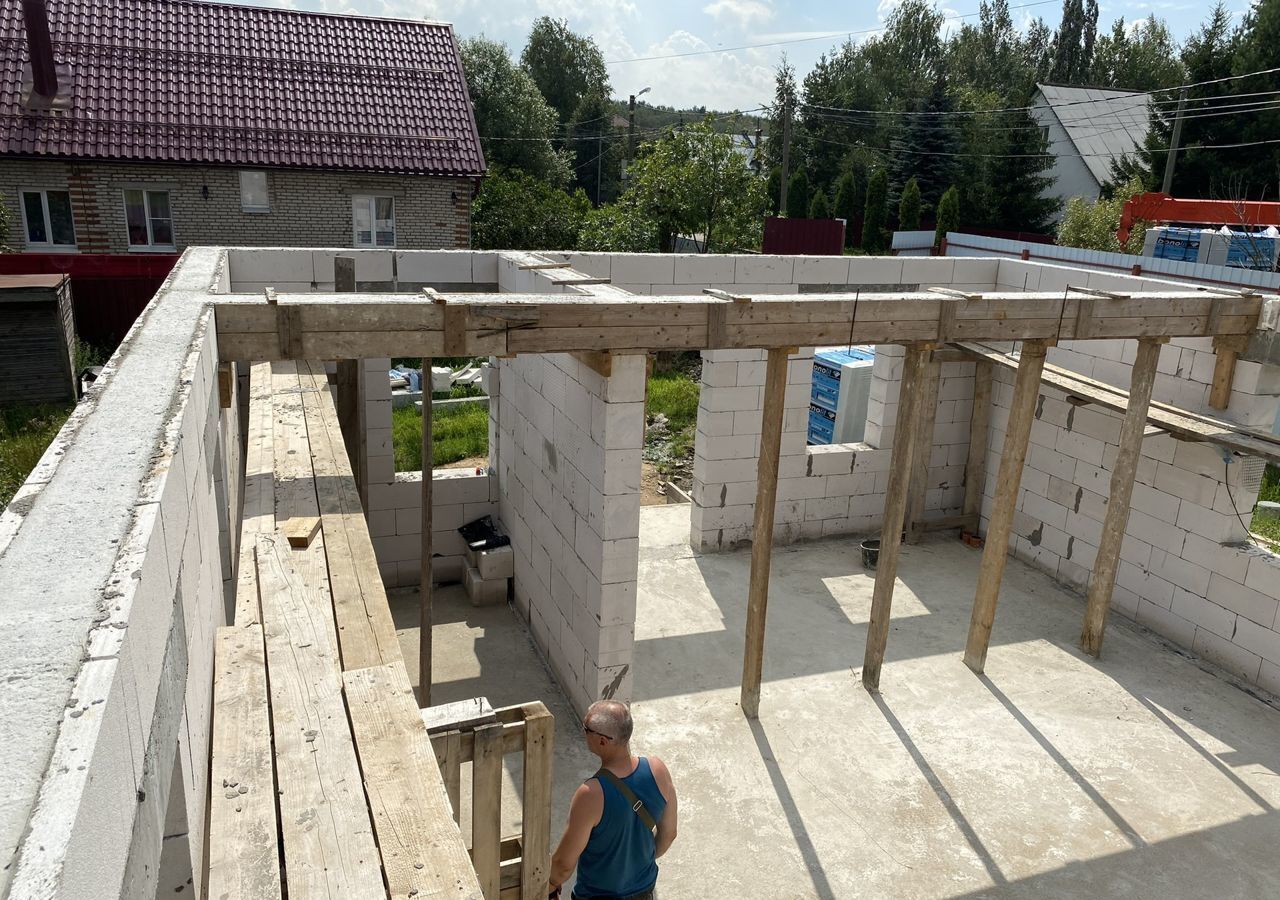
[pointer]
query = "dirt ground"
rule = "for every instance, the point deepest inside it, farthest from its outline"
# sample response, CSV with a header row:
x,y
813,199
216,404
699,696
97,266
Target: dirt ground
x,y
651,493
471,462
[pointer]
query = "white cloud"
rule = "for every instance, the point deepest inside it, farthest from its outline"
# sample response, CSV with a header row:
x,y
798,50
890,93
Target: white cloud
x,y
724,81
741,12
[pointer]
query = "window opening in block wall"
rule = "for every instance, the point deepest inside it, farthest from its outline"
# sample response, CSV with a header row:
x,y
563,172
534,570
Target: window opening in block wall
x,y
672,390
459,413
840,390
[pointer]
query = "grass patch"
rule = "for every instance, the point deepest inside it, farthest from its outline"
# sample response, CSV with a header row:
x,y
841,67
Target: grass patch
x,y
1267,527
25,433
673,421
460,432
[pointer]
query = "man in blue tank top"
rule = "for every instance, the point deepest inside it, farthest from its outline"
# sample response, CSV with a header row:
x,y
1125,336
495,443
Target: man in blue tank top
x,y
621,820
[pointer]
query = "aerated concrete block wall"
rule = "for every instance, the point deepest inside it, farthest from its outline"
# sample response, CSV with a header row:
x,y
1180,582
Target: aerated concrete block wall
x,y
837,489
112,582
568,444
1187,568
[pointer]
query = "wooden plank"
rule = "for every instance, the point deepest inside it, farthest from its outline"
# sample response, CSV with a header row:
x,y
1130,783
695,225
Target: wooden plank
x,y
300,530
512,740
458,715
426,585
895,507
329,849
1124,469
366,632
486,808
1181,423
226,378
995,552
451,772
421,848
923,449
258,512
775,388
244,860
535,832
975,466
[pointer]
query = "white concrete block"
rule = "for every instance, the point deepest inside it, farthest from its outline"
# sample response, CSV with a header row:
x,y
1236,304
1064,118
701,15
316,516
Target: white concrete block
x,y
642,268
750,270
1162,621
1264,574
1232,657
1250,604
703,269
821,270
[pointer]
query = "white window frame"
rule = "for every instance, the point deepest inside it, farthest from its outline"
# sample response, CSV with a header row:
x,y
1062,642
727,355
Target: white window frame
x,y
266,187
150,245
46,246
372,201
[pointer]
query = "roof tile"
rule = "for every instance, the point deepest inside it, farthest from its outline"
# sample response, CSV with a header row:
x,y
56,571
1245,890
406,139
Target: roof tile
x,y
210,83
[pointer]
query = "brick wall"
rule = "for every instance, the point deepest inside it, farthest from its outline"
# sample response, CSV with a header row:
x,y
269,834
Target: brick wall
x,y
308,208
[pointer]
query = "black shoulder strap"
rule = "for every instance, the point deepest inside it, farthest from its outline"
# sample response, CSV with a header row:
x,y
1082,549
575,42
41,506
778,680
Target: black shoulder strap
x,y
630,796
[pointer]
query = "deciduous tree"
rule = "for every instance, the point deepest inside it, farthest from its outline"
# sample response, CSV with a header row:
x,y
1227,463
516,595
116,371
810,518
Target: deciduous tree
x,y
566,66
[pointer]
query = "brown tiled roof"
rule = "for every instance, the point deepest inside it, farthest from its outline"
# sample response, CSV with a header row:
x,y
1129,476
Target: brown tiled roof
x,y
211,83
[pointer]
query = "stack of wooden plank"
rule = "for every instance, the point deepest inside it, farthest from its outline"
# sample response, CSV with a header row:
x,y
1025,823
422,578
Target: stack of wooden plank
x,y
314,714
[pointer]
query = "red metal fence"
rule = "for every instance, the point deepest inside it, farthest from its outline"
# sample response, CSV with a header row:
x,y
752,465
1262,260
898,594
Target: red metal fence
x,y
108,290
810,237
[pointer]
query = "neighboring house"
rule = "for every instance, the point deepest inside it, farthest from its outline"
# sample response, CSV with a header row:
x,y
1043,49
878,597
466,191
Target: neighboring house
x,y
151,125
1088,129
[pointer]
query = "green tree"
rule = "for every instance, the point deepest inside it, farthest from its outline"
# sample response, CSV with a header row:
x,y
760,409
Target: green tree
x,y
516,211
773,191
1017,177
820,208
948,216
564,65
516,125
785,102
692,182
1073,43
1142,60
909,207
597,149
851,200
618,228
927,150
1255,171
992,57
798,195
1093,225
873,220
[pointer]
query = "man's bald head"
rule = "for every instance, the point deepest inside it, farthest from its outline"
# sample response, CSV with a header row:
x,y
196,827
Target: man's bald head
x,y
610,718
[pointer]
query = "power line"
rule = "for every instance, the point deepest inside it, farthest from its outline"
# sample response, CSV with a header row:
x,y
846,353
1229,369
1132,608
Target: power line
x,y
909,150
817,37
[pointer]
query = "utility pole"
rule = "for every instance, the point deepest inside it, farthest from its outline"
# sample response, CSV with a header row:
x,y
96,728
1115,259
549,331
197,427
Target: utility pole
x,y
786,156
631,128
1167,185
599,156
757,160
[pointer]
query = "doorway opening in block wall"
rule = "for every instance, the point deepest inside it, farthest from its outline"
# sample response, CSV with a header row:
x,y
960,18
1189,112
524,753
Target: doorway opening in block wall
x,y
459,412
672,390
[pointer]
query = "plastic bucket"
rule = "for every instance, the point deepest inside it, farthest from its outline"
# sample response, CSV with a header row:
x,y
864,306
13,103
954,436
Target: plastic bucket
x,y
870,553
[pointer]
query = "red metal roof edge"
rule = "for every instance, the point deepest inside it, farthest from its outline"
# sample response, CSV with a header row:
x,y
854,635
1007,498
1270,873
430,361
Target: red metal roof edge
x,y
204,164
466,95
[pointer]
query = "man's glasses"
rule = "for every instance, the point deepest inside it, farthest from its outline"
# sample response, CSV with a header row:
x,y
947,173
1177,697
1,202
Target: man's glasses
x,y
586,730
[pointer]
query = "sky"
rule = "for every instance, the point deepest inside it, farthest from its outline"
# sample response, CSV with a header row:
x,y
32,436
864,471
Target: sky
x,y
631,32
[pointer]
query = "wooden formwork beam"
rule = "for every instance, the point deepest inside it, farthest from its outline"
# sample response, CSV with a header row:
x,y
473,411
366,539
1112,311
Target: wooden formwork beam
x,y
1026,389
775,389
905,434
1106,563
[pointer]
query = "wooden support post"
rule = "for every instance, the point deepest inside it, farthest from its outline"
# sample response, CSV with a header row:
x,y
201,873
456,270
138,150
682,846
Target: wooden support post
x,y
923,448
1026,389
775,389
1107,561
1228,349
535,832
486,808
895,506
425,587
350,393
975,467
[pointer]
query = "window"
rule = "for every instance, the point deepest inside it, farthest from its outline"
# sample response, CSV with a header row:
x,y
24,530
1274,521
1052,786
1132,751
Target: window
x,y
150,219
46,217
253,192
373,221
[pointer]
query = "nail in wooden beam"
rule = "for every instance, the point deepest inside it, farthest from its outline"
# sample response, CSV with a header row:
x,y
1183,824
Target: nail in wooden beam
x,y
995,552
905,433
925,420
425,587
1107,562
775,389
975,467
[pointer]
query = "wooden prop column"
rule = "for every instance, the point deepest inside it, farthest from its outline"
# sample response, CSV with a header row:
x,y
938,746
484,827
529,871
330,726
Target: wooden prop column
x,y
906,432
1103,580
1026,389
775,389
